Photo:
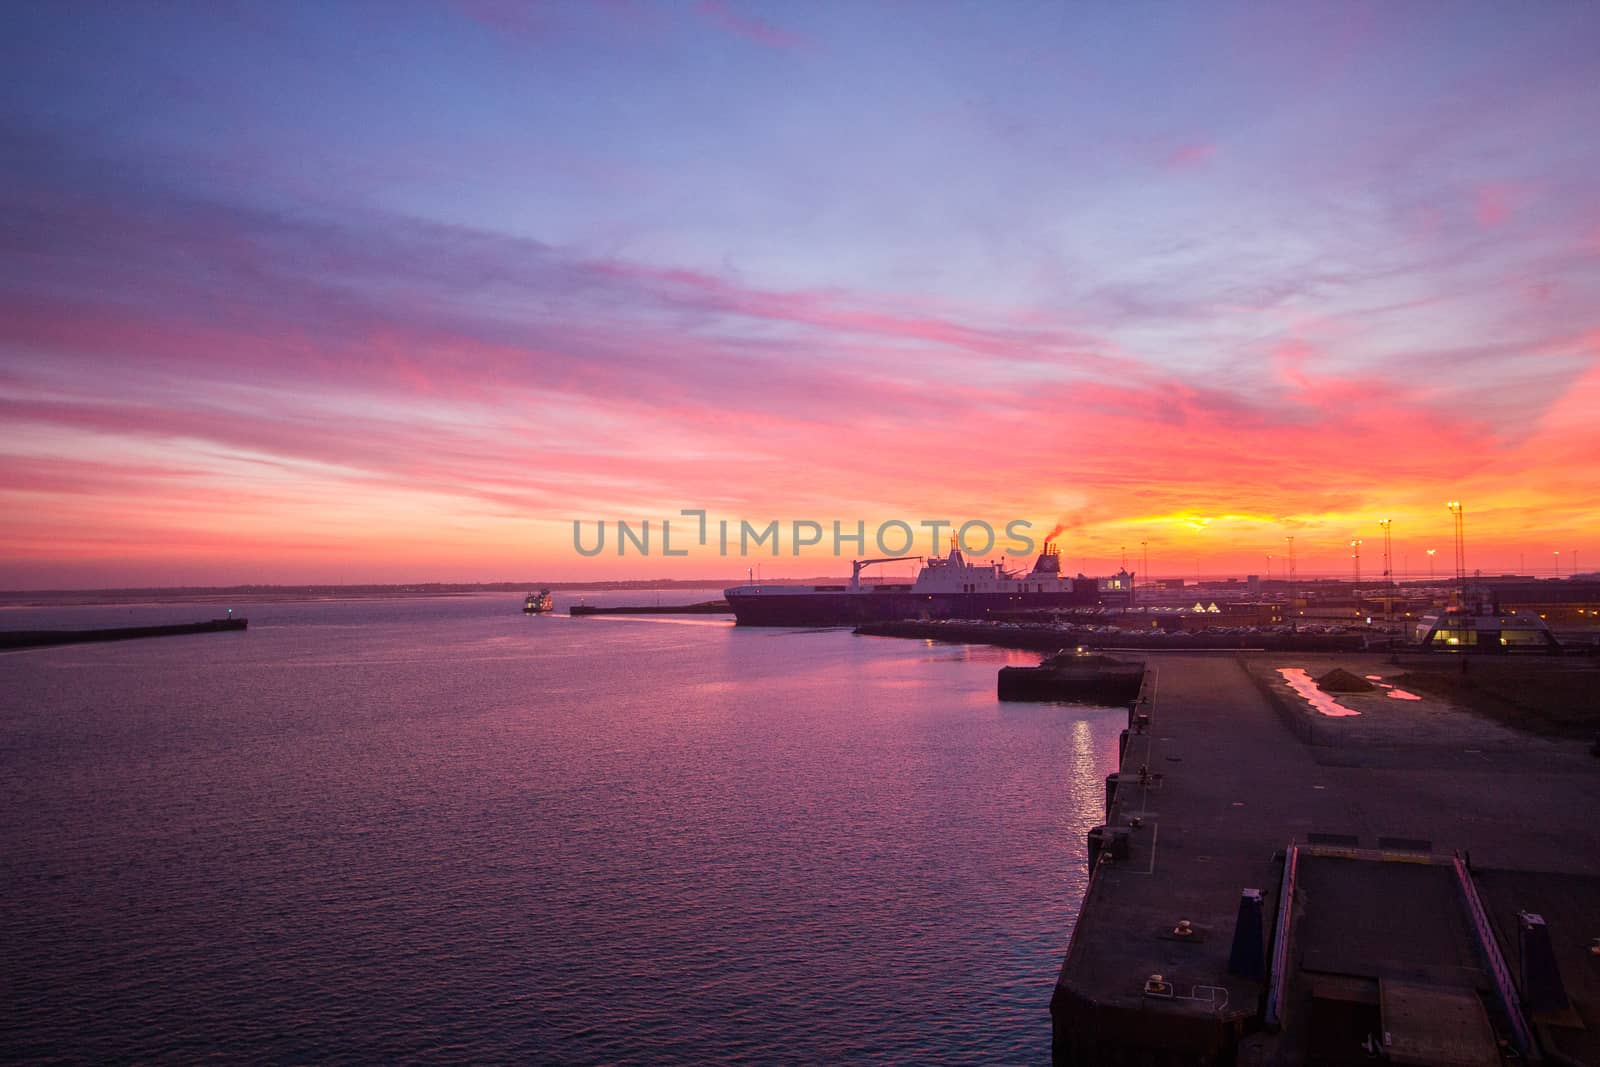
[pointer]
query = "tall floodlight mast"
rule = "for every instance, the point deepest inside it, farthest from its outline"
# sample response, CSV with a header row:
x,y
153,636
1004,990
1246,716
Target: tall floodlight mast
x,y
1387,526
1461,551
1292,593
1145,566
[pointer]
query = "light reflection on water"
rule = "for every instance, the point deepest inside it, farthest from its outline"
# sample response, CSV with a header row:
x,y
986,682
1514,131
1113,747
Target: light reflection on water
x,y
442,830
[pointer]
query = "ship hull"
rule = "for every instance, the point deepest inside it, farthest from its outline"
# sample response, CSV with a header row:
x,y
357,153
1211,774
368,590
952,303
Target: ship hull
x,y
854,608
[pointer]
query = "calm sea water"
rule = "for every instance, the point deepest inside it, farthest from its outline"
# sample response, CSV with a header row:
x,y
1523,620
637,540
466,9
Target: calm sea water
x,y
440,830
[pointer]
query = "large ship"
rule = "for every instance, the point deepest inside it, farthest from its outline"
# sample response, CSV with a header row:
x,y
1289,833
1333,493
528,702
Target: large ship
x,y
538,603
948,587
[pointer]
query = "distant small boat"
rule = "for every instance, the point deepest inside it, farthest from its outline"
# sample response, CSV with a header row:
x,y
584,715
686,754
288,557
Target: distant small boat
x,y
538,603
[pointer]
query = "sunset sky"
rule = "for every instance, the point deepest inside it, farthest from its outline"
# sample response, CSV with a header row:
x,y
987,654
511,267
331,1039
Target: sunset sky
x,y
395,292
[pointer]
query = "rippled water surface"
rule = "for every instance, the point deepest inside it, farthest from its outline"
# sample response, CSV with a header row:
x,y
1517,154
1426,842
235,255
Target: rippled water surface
x,y
440,830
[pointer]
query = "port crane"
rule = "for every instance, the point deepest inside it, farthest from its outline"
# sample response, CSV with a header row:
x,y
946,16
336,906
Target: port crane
x,y
857,564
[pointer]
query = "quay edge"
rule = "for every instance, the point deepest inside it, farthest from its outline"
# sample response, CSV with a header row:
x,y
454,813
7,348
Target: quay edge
x,y
1365,855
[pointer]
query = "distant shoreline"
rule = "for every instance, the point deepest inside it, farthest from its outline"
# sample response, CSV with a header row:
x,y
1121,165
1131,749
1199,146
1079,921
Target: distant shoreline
x,y
41,598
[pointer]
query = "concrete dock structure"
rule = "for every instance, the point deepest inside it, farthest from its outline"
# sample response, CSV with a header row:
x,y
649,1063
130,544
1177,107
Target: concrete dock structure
x,y
1406,840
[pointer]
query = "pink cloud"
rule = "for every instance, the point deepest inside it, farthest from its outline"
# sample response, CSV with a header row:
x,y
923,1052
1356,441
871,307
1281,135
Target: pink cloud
x,y
506,16
845,313
307,376
1493,204
749,27
1187,156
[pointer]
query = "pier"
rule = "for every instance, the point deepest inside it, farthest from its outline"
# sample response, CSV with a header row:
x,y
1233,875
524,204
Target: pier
x,y
1262,889
1073,677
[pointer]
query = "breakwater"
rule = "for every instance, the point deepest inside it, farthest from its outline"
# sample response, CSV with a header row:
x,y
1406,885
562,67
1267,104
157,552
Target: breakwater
x,y
705,607
1045,638
44,638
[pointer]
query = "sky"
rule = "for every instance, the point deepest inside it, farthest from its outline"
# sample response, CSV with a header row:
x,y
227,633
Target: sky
x,y
399,292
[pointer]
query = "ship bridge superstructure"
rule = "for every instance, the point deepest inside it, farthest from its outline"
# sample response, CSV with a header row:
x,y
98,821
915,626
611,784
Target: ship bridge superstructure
x,y
954,573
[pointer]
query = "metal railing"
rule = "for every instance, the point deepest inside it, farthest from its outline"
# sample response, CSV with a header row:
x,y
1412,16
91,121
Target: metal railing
x,y
1279,980
1497,964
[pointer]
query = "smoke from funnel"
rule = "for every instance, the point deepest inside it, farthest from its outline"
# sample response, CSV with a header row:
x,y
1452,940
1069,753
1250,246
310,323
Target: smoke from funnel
x,y
1069,522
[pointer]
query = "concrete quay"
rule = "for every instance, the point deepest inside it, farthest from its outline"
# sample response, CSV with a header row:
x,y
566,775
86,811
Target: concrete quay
x,y
1407,838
